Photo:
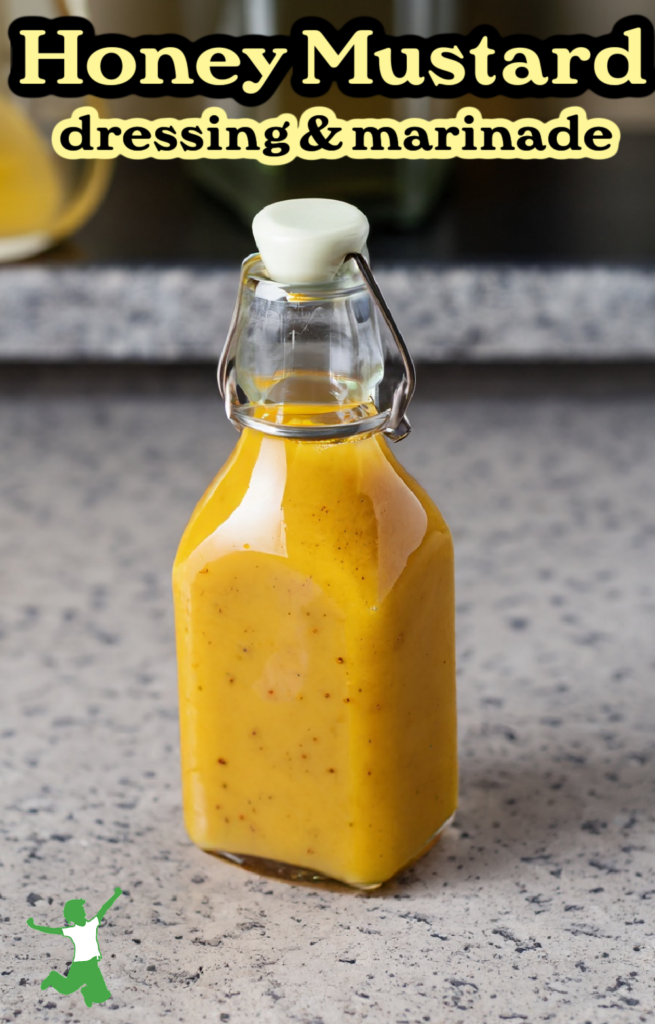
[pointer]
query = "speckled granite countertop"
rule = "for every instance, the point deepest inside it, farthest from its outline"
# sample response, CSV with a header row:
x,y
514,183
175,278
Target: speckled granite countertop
x,y
466,313
536,906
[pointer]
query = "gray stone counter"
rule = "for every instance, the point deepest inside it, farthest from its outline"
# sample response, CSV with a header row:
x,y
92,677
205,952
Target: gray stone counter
x,y
467,313
538,903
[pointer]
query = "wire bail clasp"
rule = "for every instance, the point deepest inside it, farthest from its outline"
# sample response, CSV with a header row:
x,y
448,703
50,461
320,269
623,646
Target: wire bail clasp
x,y
396,425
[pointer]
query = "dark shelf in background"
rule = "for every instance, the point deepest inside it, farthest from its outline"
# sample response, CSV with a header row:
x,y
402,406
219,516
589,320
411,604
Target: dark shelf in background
x,y
506,210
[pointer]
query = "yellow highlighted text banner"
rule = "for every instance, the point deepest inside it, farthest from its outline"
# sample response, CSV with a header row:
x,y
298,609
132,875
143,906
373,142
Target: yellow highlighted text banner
x,y
320,135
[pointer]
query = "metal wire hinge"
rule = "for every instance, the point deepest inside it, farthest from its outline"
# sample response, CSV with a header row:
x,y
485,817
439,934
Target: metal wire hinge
x,y
398,425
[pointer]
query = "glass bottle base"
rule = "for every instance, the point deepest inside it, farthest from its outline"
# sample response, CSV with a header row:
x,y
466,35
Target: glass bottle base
x,y
308,876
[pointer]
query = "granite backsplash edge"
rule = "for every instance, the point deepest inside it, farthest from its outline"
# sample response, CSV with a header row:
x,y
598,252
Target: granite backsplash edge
x,y
447,313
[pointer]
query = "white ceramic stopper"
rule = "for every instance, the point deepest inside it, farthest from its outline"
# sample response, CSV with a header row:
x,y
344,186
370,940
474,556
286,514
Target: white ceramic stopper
x,y
304,241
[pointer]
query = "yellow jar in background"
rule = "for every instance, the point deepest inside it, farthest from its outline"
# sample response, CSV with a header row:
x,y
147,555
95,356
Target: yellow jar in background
x,y
43,198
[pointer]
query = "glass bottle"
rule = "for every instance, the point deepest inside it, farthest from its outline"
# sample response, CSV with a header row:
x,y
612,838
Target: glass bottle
x,y
314,583
43,198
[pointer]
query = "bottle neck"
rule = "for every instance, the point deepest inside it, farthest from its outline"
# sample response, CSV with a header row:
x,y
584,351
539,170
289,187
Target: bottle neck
x,y
312,405
316,364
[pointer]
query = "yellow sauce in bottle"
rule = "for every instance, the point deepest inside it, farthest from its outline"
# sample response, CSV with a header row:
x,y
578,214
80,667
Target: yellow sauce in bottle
x,y
31,188
315,627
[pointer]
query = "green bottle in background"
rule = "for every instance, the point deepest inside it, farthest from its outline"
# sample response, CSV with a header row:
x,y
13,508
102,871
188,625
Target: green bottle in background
x,y
400,193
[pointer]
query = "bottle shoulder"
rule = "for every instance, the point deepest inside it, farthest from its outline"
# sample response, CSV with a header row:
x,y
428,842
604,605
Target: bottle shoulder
x,y
437,520
221,496
274,495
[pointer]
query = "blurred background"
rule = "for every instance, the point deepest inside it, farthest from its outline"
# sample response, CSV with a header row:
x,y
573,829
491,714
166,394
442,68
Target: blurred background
x,y
452,210
526,292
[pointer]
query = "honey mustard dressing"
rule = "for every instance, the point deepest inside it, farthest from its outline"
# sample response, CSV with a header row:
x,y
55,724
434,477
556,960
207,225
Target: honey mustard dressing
x,y
314,605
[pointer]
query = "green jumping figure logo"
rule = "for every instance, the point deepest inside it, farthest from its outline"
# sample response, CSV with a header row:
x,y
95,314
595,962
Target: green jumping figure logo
x,y
84,972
